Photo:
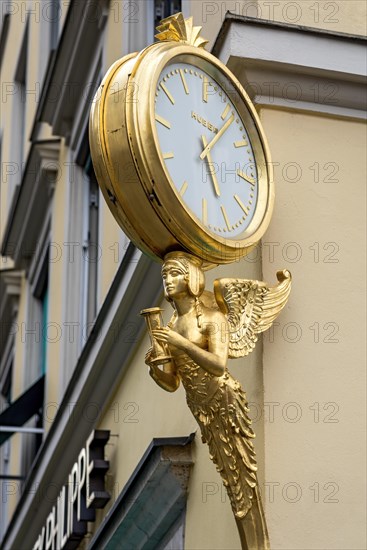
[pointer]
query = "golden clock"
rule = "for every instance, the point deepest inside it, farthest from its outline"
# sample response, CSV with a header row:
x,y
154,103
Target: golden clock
x,y
179,151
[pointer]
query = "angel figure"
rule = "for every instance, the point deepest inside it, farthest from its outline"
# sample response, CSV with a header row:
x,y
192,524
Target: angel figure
x,y
205,330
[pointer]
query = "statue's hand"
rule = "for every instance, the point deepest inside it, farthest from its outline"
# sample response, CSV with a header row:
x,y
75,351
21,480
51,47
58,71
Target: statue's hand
x,y
154,370
148,357
169,336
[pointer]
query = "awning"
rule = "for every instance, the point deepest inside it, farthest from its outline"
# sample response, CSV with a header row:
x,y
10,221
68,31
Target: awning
x,y
153,499
21,410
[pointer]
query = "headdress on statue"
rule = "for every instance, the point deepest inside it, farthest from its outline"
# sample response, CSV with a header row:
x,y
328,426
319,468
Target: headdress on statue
x,y
192,267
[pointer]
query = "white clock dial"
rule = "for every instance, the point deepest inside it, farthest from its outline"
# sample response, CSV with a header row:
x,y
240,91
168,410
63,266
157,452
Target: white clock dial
x,y
206,149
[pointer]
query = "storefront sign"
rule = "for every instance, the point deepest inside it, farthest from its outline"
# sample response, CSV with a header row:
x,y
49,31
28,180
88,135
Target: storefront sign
x,y
66,524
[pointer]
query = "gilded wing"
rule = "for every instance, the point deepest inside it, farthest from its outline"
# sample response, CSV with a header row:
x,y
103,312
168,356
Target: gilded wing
x,y
251,307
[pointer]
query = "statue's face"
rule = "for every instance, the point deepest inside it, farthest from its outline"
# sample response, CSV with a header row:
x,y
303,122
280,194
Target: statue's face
x,y
174,280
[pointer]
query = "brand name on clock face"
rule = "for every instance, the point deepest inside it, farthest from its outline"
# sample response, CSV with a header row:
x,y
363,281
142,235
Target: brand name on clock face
x,y
204,122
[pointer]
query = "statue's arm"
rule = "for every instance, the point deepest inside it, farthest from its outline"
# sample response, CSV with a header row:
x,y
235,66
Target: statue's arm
x,y
167,378
214,359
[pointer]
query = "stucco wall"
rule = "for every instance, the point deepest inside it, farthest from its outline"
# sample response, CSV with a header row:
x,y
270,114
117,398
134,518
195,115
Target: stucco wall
x,y
348,16
314,362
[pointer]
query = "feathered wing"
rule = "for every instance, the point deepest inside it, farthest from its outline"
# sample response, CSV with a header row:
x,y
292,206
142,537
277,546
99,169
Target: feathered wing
x,y
251,307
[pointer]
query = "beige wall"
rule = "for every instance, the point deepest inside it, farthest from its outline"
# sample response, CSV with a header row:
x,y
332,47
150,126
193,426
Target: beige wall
x,y
322,455
113,243
348,16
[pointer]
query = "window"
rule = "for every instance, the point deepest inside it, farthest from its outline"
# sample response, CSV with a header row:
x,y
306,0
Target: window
x,y
140,19
6,374
38,310
165,8
91,252
54,14
10,282
5,471
2,175
43,301
175,538
5,383
18,117
49,29
35,336
90,247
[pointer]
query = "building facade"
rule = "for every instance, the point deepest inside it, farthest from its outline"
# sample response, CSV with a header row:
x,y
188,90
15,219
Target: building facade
x,y
93,454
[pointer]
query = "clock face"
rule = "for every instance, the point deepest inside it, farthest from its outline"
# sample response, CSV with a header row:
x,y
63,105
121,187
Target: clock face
x,y
206,149
180,154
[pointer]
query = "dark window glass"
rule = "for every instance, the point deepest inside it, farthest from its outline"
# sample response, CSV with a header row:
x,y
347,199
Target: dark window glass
x,y
165,8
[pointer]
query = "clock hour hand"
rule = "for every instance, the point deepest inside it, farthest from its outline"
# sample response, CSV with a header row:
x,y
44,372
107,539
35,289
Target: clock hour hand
x,y
210,145
211,168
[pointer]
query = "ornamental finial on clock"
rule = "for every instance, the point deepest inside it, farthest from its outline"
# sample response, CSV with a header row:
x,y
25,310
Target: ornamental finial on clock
x,y
178,29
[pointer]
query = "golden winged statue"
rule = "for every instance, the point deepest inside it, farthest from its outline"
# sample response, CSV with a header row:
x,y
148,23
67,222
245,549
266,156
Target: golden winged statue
x,y
205,330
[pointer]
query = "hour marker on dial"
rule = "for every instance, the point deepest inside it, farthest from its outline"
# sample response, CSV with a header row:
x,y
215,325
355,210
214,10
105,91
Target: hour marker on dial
x,y
204,207
205,89
163,121
169,155
244,208
211,167
246,178
241,143
168,94
183,188
225,112
229,227
184,83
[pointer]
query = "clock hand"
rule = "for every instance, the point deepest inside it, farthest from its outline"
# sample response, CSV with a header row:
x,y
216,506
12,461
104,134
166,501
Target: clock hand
x,y
210,166
225,127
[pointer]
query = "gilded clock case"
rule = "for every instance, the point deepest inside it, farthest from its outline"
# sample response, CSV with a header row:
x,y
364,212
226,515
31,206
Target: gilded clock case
x,y
130,168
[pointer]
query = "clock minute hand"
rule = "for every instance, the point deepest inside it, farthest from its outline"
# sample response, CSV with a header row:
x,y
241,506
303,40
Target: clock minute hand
x,y
210,145
210,166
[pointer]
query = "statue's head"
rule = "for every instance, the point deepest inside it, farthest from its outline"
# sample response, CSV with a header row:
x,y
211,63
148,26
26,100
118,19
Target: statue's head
x,y
191,267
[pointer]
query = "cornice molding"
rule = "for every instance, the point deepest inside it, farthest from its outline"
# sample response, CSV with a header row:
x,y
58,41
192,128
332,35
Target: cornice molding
x,y
294,67
65,80
31,200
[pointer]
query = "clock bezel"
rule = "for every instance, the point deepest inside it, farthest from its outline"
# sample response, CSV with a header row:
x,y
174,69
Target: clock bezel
x,y
187,229
130,169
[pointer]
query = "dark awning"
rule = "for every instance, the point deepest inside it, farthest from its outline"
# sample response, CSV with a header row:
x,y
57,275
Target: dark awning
x,y
152,500
21,410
